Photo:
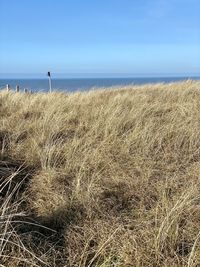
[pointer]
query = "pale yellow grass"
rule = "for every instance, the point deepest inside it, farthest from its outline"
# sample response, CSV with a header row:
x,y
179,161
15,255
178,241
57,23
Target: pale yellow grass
x,y
101,178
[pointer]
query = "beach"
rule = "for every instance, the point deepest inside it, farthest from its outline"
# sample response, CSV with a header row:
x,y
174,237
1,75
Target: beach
x,y
86,84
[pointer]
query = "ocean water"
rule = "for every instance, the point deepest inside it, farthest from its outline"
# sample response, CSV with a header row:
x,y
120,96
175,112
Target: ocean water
x,y
83,84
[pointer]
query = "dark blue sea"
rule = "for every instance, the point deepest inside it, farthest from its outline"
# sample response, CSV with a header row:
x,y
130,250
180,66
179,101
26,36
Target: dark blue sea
x,y
84,84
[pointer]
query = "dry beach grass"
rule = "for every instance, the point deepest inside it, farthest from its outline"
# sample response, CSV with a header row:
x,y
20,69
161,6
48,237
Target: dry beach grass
x,y
101,178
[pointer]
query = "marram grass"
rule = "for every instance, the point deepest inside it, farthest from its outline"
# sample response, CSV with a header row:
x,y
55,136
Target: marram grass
x,y
107,178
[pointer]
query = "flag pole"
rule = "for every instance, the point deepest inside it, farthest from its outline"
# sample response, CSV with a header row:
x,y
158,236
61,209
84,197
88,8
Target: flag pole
x,y
49,75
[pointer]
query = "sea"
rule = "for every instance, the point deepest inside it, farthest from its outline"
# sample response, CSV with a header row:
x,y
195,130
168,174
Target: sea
x,y
84,84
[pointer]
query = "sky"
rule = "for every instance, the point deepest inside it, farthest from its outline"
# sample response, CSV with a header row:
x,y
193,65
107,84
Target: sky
x,y
89,38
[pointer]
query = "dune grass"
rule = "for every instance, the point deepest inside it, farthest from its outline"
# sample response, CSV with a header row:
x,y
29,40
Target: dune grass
x,y
107,178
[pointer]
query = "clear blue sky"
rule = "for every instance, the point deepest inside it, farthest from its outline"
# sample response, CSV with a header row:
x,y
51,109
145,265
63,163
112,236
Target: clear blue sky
x,y
94,38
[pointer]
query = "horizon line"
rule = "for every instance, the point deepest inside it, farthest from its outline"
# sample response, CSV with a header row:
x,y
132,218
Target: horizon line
x,y
57,75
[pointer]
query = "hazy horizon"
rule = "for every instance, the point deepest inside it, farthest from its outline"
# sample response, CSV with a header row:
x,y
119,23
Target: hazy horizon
x,y
92,75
